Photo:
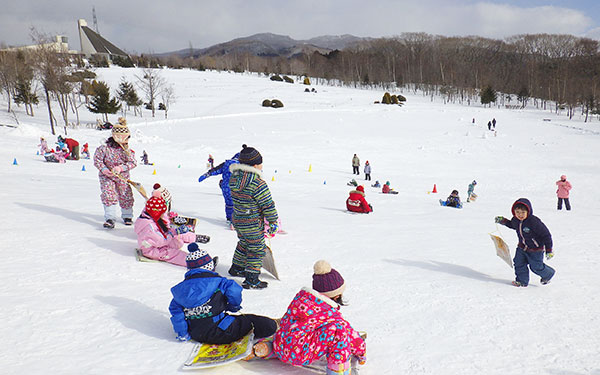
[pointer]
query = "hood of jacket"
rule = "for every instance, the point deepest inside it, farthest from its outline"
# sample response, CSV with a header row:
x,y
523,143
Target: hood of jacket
x,y
524,201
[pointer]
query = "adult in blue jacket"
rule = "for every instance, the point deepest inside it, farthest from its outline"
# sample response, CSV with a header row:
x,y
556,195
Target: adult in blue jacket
x,y
223,169
202,301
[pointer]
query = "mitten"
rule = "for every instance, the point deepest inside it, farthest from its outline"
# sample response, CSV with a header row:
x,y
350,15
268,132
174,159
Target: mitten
x,y
117,169
187,337
202,238
498,219
182,229
273,228
173,215
202,178
549,255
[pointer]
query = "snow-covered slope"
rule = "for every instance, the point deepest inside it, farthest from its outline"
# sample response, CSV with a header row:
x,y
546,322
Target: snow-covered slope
x,y
423,280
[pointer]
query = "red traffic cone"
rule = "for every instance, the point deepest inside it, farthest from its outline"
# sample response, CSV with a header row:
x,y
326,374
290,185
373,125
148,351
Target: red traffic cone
x,y
434,189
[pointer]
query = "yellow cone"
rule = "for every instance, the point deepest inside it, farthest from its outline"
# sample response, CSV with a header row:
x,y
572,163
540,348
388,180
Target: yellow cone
x,y
310,167
290,171
273,179
154,172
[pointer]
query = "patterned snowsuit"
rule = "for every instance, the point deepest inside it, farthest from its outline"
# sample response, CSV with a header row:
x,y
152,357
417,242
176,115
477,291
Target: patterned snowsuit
x,y
156,246
112,189
313,327
252,204
223,169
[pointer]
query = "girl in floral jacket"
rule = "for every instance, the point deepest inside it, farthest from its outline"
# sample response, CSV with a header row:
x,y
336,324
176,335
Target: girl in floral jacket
x,y
115,157
313,326
155,237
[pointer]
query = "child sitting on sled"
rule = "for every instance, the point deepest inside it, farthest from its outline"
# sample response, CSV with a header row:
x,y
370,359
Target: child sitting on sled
x,y
453,200
386,189
376,184
356,202
313,326
85,153
156,238
202,301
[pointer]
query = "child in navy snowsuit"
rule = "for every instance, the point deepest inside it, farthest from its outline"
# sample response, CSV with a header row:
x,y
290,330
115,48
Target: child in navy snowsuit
x,y
453,199
201,304
223,169
534,237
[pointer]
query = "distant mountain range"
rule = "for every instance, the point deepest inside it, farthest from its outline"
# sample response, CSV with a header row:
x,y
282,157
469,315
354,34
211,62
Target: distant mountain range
x,y
268,44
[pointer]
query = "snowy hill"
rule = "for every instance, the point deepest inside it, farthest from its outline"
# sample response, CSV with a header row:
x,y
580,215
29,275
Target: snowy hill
x,y
423,280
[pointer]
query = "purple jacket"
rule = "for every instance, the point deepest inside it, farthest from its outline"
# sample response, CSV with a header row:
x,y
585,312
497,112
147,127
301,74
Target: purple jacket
x,y
533,235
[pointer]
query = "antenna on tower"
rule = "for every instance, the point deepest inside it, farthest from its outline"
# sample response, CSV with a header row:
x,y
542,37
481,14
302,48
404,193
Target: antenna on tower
x,y
95,20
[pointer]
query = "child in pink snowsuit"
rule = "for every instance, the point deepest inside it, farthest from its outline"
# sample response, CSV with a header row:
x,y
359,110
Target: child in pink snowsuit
x,y
563,192
116,157
313,326
155,237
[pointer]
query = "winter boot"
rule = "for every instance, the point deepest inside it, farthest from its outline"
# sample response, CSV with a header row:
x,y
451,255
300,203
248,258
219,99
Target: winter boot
x,y
202,238
237,271
544,281
252,282
110,224
518,284
128,221
338,368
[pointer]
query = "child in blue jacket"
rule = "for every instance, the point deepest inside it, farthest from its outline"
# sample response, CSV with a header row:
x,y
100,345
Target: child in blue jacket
x,y
201,304
534,238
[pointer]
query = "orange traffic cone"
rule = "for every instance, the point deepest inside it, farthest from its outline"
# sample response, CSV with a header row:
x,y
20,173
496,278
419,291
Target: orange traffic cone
x,y
434,189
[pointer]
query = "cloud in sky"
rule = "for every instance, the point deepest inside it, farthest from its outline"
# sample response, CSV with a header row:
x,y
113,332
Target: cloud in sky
x,y
141,26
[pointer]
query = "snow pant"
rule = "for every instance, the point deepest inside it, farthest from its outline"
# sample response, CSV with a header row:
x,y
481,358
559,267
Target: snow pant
x,y
355,169
75,153
167,254
113,192
368,176
207,330
226,191
567,203
535,259
251,245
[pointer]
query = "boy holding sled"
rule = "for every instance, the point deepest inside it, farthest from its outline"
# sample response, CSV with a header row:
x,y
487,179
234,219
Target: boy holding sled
x,y
252,205
470,194
201,304
534,238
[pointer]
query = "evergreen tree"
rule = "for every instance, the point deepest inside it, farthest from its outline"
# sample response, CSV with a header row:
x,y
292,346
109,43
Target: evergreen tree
x,y
101,101
128,95
24,95
488,95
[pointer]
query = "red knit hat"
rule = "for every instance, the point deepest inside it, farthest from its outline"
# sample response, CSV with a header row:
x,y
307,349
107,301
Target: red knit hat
x,y
327,281
156,206
361,188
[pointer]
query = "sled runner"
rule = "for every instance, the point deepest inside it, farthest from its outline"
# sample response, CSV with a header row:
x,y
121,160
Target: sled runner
x,y
443,203
141,258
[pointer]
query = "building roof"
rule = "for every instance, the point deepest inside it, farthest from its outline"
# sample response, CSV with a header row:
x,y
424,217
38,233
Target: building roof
x,y
100,44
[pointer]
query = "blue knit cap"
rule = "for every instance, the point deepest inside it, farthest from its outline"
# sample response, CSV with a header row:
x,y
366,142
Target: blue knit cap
x,y
198,258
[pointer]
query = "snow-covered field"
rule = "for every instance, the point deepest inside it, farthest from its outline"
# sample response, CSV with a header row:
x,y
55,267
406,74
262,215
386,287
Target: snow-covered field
x,y
423,280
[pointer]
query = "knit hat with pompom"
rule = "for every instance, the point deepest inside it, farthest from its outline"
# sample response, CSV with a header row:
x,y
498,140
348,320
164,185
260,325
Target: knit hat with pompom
x,y
198,258
160,191
156,206
327,280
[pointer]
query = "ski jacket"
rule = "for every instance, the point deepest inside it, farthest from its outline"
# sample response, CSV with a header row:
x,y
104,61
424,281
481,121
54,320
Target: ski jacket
x,y
107,157
533,235
313,327
155,245
356,202
355,161
563,188
453,201
204,295
367,168
386,189
252,201
70,142
224,170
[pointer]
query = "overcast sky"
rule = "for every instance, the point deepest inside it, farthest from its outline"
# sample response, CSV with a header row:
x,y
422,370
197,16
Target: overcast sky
x,y
160,26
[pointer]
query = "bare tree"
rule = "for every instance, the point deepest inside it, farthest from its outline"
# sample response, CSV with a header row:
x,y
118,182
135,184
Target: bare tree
x,y
168,97
8,74
151,83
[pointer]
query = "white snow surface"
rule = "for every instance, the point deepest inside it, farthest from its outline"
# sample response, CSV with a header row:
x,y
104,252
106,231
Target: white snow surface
x,y
422,280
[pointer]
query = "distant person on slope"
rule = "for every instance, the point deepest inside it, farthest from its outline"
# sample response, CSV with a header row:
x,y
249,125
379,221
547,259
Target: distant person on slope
x,y
562,192
112,158
356,202
313,326
470,189
367,171
223,169
453,200
386,189
252,205
534,238
355,164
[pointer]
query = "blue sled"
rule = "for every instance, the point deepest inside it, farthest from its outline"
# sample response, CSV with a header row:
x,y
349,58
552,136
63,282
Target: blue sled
x,y
443,203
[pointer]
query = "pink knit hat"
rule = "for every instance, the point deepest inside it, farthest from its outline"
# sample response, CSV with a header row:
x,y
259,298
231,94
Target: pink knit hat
x,y
563,177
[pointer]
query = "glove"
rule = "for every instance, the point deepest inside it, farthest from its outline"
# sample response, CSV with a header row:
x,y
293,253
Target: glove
x,y
273,228
549,255
202,238
172,215
362,359
187,337
117,169
202,178
179,220
107,172
182,229
498,219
